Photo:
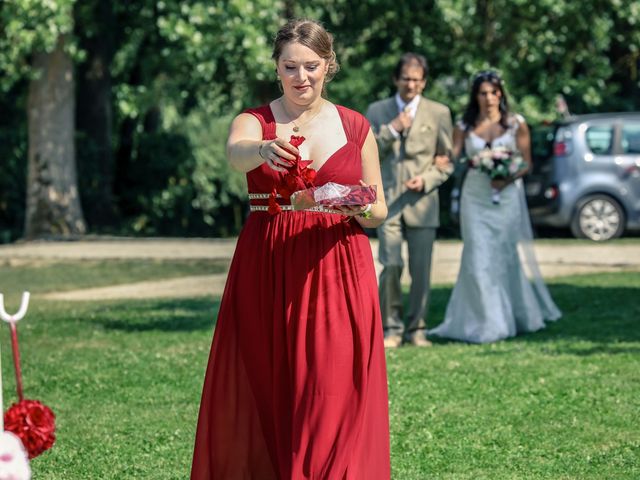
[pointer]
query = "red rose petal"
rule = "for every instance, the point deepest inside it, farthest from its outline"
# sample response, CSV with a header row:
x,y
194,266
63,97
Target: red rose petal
x,y
298,177
296,141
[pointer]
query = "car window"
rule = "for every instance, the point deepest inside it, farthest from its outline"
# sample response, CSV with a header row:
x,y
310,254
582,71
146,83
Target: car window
x,y
631,138
599,139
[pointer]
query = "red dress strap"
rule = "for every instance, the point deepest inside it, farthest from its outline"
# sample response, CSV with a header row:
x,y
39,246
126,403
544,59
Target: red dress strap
x,y
265,116
356,125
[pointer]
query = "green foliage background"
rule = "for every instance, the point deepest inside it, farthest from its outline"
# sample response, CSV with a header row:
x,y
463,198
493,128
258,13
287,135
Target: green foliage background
x,y
180,70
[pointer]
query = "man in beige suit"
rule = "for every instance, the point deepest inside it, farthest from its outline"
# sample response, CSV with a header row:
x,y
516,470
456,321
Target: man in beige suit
x,y
414,139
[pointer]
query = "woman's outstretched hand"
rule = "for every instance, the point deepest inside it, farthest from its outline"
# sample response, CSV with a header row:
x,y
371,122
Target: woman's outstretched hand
x,y
278,154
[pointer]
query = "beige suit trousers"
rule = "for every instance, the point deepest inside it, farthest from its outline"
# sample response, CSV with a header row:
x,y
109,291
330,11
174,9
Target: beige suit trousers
x,y
420,242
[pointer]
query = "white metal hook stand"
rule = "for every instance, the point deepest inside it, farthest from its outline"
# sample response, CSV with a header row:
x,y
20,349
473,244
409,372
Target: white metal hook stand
x,y
12,320
24,304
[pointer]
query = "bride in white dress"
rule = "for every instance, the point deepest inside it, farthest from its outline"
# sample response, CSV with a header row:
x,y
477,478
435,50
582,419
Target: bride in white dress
x,y
493,297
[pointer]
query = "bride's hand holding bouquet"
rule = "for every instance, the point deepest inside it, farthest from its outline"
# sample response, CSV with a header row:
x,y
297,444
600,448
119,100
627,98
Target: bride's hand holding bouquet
x,y
501,164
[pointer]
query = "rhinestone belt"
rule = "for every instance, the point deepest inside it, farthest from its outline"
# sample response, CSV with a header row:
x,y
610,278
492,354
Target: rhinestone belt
x,y
286,208
289,208
262,196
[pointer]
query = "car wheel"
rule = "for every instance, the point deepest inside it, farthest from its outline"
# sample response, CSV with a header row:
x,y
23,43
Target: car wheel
x,y
598,218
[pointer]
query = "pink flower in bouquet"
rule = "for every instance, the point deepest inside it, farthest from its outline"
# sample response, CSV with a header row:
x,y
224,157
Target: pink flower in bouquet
x,y
14,464
34,423
514,167
474,161
487,161
497,162
501,153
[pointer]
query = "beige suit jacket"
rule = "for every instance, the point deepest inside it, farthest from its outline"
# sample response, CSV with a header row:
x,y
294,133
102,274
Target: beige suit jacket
x,y
406,157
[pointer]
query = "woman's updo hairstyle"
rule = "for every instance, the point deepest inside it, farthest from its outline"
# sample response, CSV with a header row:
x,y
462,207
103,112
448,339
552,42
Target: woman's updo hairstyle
x,y
312,35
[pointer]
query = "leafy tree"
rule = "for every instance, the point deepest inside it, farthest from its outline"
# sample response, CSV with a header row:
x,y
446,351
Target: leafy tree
x,y
587,51
371,36
178,65
35,44
13,168
159,80
95,31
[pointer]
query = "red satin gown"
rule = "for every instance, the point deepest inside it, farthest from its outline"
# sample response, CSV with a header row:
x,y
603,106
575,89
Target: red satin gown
x,y
296,382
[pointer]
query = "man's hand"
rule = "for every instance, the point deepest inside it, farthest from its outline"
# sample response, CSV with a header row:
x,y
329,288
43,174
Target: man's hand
x,y
442,163
401,122
415,184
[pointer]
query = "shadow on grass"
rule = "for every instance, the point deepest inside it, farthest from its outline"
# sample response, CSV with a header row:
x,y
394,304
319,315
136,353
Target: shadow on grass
x,y
163,315
608,316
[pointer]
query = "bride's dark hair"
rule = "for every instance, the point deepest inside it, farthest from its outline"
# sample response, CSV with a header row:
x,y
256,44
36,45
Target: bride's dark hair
x,y
472,111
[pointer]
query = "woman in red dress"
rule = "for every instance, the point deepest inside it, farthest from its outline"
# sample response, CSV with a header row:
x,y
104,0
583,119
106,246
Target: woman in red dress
x,y
296,382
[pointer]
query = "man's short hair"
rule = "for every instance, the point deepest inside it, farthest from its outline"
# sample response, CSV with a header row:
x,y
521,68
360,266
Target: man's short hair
x,y
411,58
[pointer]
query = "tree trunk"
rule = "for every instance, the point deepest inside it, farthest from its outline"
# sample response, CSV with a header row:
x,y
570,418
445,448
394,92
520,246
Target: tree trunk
x,y
95,115
53,205
485,12
289,9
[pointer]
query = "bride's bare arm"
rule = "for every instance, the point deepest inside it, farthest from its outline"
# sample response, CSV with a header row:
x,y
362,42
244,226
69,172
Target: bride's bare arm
x,y
523,142
458,143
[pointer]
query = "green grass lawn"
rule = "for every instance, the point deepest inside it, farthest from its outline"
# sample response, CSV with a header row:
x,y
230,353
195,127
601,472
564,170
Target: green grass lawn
x,y
124,380
39,276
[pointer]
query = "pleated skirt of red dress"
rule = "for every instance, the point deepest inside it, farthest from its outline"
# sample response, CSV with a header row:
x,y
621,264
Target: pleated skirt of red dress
x,y
296,382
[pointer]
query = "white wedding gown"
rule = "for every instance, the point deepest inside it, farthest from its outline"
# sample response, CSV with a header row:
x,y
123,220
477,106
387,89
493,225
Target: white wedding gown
x,y
493,298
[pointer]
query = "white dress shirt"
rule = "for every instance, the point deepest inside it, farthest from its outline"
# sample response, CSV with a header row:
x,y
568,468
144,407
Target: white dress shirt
x,y
410,107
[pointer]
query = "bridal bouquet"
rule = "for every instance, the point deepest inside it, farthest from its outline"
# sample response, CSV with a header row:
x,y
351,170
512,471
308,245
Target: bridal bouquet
x,y
334,194
497,162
